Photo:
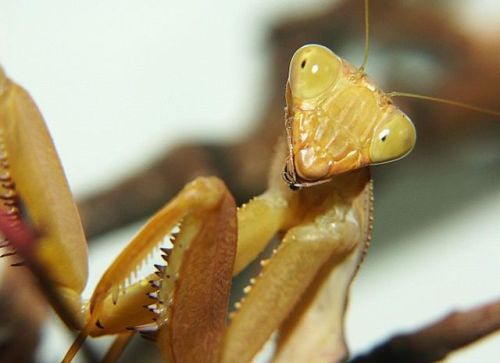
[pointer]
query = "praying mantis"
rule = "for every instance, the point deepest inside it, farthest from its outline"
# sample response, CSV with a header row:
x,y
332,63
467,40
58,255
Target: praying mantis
x,y
346,196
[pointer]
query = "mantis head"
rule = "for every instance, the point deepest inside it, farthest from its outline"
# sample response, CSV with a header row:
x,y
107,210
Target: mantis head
x,y
337,120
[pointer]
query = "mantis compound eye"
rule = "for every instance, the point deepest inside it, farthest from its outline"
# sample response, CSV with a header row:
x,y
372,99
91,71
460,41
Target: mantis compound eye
x,y
313,70
392,139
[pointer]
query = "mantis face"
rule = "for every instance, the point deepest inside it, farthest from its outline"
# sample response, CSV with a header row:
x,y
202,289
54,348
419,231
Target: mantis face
x,y
337,120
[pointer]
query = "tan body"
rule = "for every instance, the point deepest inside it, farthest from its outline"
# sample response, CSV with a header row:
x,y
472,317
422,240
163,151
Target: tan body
x,y
335,125
326,232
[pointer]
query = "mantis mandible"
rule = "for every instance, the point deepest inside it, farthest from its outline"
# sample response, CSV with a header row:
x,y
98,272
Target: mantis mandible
x,y
338,123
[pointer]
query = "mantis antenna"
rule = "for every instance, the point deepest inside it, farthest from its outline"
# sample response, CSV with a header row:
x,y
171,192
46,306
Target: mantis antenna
x,y
414,95
367,37
445,101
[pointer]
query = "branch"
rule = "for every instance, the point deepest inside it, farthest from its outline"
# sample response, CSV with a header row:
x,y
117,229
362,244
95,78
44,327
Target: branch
x,y
435,341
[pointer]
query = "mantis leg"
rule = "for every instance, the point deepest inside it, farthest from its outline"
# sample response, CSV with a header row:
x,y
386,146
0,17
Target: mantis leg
x,y
198,201
127,311
198,269
278,289
262,217
321,251
117,348
33,189
258,222
314,330
196,283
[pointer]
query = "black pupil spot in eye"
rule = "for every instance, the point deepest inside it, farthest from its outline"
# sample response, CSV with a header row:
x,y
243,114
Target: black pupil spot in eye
x,y
303,64
383,138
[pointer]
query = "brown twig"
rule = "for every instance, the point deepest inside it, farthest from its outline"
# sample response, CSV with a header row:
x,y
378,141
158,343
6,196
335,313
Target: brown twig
x,y
435,341
22,313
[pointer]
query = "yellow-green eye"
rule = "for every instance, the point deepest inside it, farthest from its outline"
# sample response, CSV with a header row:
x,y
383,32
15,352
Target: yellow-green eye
x,y
313,69
392,139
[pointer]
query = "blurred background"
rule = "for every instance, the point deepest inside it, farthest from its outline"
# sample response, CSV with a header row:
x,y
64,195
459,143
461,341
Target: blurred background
x,y
142,96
